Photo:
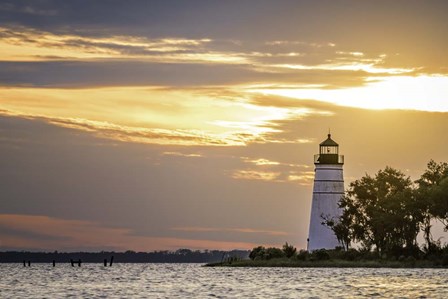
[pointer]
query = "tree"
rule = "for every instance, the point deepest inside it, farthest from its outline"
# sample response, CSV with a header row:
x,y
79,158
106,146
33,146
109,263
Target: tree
x,y
378,212
433,175
341,226
439,198
257,252
289,250
432,194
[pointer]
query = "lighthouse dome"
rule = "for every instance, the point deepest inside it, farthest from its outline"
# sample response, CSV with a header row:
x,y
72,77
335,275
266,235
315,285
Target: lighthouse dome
x,y
328,142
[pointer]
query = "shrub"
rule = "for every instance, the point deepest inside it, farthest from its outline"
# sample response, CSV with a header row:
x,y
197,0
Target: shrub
x,y
302,255
350,255
272,253
444,259
411,260
320,255
337,253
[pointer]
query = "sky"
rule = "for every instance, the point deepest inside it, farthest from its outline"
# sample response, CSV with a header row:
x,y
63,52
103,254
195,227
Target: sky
x,y
158,125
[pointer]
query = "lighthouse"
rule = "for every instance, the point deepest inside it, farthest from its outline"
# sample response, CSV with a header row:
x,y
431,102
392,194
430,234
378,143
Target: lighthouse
x,y
327,191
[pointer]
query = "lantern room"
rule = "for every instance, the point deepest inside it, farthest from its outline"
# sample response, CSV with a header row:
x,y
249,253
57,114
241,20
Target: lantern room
x,y
328,153
328,147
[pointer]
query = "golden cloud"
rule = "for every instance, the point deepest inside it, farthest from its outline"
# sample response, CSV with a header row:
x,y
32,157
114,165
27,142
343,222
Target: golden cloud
x,y
304,178
274,171
255,175
178,154
151,115
27,44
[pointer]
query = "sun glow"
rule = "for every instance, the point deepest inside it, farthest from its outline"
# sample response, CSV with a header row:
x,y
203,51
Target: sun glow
x,y
352,66
425,93
151,115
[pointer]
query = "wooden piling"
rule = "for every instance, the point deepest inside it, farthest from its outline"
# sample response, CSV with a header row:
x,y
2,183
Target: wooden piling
x,y
79,263
105,262
29,263
54,263
72,262
111,261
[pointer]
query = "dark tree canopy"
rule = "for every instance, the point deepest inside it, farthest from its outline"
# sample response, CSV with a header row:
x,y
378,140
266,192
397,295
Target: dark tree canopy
x,y
386,212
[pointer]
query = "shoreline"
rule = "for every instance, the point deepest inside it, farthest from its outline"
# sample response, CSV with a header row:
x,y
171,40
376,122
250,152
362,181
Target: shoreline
x,y
288,263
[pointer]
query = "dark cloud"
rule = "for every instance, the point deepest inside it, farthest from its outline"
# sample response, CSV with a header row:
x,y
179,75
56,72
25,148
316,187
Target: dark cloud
x,y
415,30
110,73
77,74
28,235
220,18
27,8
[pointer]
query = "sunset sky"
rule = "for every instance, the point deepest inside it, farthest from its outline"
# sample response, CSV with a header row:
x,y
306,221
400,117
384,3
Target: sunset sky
x,y
150,125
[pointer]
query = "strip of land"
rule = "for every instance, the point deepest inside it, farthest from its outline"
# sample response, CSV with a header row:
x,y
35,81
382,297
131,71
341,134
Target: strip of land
x,y
285,262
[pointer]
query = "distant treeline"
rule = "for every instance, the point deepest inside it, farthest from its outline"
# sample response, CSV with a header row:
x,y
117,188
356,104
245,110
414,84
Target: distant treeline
x,y
178,256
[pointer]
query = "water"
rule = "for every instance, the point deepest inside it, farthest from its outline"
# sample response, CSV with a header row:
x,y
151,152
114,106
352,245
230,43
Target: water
x,y
194,281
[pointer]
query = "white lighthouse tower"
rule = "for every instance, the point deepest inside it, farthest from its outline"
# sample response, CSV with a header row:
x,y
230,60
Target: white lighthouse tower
x,y
327,191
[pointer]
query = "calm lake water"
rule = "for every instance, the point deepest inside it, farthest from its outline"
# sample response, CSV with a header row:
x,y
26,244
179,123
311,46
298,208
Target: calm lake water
x,y
194,281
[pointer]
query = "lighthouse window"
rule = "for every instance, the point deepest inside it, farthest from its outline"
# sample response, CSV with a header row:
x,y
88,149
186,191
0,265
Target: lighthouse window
x,y
329,150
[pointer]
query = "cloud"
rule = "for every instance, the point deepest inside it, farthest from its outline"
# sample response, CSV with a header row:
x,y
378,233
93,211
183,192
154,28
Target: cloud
x,y
134,73
71,174
348,66
263,162
76,60
274,171
319,25
300,43
27,44
123,73
234,230
267,162
304,178
65,234
159,116
133,134
255,175
423,92
178,154
27,9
